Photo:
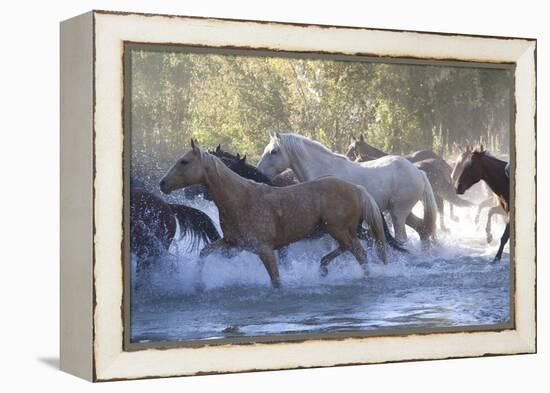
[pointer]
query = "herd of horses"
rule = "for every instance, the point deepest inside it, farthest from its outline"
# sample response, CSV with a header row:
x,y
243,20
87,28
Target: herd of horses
x,y
300,189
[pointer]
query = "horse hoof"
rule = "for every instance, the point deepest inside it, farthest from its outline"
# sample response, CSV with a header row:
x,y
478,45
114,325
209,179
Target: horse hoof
x,y
489,238
324,271
495,260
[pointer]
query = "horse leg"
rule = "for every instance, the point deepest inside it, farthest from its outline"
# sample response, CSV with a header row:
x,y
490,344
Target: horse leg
x,y
270,262
452,212
492,211
398,221
359,253
486,203
328,258
503,241
347,240
441,208
417,224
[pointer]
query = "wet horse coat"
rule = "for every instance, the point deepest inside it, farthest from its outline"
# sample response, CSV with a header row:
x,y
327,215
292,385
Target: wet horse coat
x,y
261,218
395,184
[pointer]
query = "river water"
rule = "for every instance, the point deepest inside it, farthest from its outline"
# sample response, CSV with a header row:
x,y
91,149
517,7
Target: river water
x,y
452,284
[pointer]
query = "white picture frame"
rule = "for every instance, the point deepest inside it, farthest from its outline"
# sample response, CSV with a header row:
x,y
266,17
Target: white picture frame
x,y
92,195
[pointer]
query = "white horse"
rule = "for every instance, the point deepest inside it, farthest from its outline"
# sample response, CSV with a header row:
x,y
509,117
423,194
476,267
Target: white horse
x,y
395,184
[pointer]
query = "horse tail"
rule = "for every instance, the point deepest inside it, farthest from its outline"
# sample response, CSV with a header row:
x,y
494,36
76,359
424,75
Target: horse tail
x,y
374,219
430,208
195,223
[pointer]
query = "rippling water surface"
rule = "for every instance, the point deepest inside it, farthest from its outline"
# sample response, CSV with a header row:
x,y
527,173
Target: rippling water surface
x,y
452,284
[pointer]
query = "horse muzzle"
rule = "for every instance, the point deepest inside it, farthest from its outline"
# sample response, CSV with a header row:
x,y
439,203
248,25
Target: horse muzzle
x,y
165,187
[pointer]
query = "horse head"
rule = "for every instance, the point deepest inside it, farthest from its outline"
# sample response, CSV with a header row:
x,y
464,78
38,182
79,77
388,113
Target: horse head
x,y
459,164
468,169
242,168
358,149
187,170
224,155
275,158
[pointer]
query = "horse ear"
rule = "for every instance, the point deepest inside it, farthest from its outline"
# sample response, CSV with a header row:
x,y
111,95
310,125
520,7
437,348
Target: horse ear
x,y
481,148
243,160
277,135
361,138
218,148
194,146
353,138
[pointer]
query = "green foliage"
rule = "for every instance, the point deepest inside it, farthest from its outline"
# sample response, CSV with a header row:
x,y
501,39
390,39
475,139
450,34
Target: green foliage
x,y
235,100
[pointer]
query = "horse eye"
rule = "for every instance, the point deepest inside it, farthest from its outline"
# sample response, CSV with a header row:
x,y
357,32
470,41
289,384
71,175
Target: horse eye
x,y
273,152
183,162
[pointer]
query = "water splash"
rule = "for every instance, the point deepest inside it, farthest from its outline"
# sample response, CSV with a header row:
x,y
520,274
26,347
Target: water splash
x,y
451,284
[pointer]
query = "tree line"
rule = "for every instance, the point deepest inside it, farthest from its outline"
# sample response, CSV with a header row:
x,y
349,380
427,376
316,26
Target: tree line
x,y
234,100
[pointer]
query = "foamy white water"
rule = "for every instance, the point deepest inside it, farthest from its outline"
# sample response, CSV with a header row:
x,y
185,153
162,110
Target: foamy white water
x,y
451,284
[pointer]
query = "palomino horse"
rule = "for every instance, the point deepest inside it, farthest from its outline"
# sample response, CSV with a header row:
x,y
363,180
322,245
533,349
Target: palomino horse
x,y
261,219
249,172
395,184
476,165
240,167
153,225
490,200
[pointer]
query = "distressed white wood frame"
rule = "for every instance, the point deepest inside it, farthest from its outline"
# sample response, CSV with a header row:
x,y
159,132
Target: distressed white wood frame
x,y
111,30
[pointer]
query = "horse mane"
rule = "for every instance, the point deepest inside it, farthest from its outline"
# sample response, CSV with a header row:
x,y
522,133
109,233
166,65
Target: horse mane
x,y
220,167
212,161
488,155
296,143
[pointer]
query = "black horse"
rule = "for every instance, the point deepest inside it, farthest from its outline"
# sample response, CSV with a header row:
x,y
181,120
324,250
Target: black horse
x,y
153,225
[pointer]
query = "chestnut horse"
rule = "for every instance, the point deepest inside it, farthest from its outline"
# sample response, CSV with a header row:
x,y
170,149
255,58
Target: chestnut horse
x,y
477,165
261,218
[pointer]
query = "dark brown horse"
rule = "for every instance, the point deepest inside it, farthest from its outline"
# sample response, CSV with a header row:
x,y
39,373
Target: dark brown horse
x,y
476,165
437,170
153,225
360,150
490,199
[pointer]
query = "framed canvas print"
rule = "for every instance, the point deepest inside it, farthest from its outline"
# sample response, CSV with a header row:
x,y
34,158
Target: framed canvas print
x,y
246,195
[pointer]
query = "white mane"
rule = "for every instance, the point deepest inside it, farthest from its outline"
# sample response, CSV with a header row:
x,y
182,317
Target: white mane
x,y
297,144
